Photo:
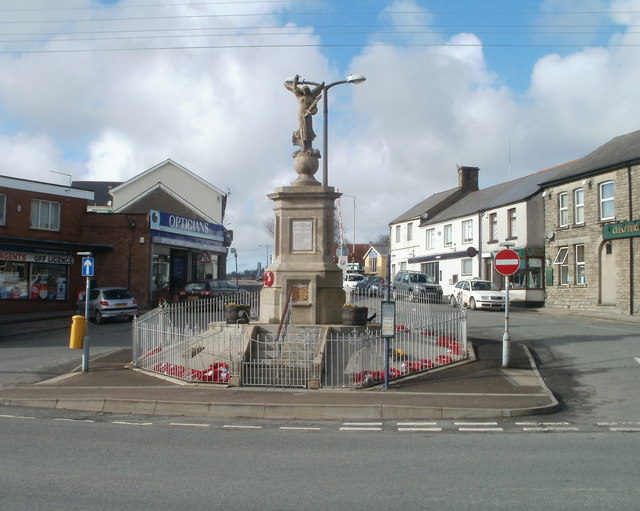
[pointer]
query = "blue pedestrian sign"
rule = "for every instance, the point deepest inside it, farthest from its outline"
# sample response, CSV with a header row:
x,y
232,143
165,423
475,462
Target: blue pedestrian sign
x,y
87,266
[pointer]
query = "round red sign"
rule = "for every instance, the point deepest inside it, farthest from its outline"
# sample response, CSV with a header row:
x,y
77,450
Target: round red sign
x,y
269,278
507,262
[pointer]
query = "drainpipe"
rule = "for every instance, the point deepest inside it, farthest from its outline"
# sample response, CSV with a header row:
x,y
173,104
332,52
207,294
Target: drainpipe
x,y
631,280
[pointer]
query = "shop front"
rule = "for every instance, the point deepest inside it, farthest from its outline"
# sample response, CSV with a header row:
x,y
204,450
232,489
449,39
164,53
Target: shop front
x,y
184,249
527,284
35,278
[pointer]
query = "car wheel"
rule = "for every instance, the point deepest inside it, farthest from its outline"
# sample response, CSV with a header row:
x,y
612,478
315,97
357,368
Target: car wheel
x,y
99,318
472,304
453,301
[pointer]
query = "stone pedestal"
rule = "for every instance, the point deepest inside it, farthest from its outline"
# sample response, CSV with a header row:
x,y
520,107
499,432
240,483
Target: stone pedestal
x,y
303,264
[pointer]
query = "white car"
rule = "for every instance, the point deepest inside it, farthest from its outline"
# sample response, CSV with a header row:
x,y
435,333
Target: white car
x,y
351,281
477,294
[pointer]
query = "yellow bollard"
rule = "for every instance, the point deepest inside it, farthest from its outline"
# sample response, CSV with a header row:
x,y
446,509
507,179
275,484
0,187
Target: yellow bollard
x,y
77,332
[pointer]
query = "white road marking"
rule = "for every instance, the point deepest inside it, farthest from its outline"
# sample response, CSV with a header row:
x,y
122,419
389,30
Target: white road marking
x,y
421,429
356,428
126,423
189,425
417,424
546,429
298,428
637,359
475,430
240,426
16,417
458,423
72,420
362,423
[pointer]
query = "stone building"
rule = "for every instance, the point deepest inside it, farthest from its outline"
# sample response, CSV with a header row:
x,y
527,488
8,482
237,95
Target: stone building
x,y
592,230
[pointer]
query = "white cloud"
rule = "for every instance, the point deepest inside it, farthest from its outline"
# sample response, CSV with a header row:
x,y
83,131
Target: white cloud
x,y
224,114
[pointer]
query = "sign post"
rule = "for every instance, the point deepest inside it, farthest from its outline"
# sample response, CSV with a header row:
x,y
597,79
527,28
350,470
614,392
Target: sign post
x,y
507,263
388,331
87,271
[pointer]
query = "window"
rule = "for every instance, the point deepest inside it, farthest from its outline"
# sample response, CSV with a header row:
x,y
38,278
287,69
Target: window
x,y
3,209
563,210
511,223
45,215
409,231
578,206
432,270
607,201
448,235
467,231
580,265
493,227
430,239
467,266
563,266
397,234
373,263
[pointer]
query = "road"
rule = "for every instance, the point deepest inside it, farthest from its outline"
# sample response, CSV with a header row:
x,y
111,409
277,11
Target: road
x,y
129,463
584,457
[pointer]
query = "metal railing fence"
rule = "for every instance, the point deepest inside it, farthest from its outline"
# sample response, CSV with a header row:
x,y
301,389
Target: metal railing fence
x,y
190,341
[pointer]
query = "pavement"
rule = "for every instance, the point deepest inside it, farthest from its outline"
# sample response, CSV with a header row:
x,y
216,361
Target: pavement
x,y
476,388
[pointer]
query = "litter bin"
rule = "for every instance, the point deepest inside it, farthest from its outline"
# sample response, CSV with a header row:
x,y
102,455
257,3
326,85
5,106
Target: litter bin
x,y
77,332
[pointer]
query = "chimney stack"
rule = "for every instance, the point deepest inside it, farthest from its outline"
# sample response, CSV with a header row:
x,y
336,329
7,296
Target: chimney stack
x,y
468,178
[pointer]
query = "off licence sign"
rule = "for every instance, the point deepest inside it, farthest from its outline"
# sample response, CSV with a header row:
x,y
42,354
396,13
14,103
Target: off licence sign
x,y
507,262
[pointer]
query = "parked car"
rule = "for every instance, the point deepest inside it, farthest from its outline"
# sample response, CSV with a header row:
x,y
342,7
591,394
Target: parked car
x,y
477,294
414,285
209,288
108,303
351,280
370,285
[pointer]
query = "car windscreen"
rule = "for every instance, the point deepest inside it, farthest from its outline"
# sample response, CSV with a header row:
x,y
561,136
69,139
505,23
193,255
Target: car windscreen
x,y
116,294
484,286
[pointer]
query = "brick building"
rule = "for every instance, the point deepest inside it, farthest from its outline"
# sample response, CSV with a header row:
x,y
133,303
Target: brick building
x,y
40,234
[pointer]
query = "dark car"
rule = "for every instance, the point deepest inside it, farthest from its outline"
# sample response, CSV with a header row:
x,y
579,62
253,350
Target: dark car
x,y
209,288
370,285
414,285
108,303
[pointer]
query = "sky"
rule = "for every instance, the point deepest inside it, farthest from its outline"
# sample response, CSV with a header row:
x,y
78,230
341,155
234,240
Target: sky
x,y
104,90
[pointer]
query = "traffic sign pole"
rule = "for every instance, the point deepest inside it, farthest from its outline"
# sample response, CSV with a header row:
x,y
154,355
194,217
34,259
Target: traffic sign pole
x,y
507,263
87,271
506,340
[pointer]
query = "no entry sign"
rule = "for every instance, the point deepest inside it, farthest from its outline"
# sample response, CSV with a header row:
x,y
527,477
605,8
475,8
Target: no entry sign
x,y
507,262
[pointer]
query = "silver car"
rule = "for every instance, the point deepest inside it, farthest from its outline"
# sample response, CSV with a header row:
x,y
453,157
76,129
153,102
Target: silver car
x,y
109,303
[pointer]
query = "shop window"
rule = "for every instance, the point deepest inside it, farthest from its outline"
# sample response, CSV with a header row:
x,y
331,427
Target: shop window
x,y
580,265
563,265
563,209
511,223
14,280
48,282
160,272
607,201
467,231
3,209
45,215
578,206
493,227
467,266
448,235
432,270
534,273
430,239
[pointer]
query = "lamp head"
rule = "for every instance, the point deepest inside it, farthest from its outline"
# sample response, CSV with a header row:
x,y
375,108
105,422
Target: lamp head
x,y
355,78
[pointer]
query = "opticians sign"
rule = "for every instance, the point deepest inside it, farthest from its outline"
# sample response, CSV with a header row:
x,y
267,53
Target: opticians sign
x,y
168,222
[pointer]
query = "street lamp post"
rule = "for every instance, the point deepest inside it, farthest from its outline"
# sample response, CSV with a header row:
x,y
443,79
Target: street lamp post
x,y
355,79
353,244
235,253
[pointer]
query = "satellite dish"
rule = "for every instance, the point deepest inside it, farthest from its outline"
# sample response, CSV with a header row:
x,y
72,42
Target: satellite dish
x,y
549,235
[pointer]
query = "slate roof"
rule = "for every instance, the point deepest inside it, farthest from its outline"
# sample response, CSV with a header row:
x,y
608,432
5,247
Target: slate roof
x,y
429,203
619,152
99,188
502,194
